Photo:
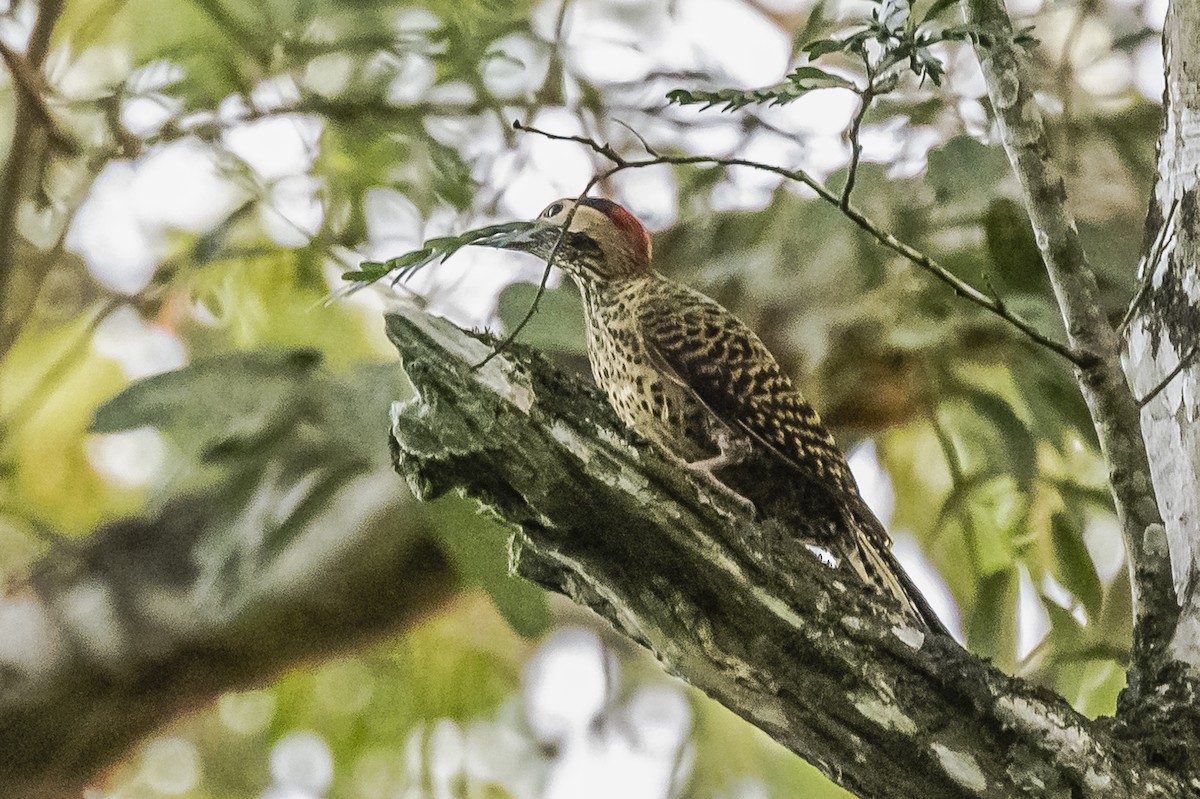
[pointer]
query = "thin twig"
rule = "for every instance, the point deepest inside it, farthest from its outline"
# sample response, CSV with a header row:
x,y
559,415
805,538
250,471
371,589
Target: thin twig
x,y
865,98
503,343
603,149
960,286
1187,358
537,298
23,149
1165,234
641,139
32,86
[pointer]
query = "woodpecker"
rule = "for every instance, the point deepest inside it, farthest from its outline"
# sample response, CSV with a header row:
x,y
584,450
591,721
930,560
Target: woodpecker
x,y
689,376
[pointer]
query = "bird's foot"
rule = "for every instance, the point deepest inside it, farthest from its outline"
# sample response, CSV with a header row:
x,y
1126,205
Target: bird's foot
x,y
734,450
704,470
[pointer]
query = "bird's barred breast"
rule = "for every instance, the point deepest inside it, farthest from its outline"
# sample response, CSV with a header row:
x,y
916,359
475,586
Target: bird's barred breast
x,y
645,400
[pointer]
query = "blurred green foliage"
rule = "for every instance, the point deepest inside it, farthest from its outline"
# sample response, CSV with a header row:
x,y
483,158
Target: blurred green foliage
x,y
984,438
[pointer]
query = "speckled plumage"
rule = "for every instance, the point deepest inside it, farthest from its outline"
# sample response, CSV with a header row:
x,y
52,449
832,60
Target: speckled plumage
x,y
685,373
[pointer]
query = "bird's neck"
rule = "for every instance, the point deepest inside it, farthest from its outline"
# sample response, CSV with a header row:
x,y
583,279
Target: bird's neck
x,y
617,295
611,305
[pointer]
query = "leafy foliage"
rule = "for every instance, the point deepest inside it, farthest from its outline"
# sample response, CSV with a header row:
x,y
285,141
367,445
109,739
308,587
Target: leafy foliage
x,y
891,42
986,443
235,417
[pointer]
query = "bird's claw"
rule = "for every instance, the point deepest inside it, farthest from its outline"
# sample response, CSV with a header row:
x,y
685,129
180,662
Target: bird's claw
x,y
704,470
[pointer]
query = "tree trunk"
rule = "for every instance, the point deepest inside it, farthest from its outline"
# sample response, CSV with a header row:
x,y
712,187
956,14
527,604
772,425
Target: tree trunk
x,y
1165,328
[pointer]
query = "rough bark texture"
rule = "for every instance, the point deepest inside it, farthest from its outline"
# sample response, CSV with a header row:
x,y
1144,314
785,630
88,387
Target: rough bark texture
x,y
1096,343
1165,328
118,634
806,654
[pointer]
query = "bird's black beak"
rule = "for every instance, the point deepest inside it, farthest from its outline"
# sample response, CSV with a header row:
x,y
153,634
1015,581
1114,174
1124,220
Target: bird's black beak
x,y
530,237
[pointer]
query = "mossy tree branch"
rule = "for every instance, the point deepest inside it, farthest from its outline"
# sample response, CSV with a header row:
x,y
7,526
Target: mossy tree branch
x,y
825,667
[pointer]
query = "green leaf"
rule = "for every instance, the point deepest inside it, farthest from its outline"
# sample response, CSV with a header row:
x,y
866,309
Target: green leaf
x,y
558,324
232,412
1058,411
680,97
1072,565
823,47
478,546
1026,39
1014,253
810,77
815,23
994,518
234,400
992,623
272,437
800,81
370,271
1019,446
963,173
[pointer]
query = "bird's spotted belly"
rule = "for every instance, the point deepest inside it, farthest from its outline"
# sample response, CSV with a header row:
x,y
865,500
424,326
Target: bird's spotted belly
x,y
644,398
660,411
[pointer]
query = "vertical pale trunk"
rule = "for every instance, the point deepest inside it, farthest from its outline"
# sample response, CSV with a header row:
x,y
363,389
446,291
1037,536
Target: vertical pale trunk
x,y
1166,326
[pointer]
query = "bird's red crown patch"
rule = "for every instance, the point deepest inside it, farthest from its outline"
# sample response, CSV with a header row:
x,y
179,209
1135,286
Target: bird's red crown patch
x,y
624,221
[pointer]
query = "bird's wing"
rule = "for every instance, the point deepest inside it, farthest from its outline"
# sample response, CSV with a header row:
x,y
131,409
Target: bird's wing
x,y
711,354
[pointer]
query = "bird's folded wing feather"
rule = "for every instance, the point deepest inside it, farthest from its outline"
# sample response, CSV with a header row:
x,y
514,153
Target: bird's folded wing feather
x,y
710,353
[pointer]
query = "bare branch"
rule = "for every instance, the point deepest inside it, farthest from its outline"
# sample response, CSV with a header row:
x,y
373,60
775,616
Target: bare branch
x,y
1184,362
1100,375
21,153
864,103
32,87
960,286
603,149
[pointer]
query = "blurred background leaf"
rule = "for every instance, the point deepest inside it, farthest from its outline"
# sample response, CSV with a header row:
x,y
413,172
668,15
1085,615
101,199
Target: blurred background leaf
x,y
239,158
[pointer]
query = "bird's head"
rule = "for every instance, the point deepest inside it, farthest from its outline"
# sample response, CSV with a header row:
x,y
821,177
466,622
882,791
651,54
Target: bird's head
x,y
605,242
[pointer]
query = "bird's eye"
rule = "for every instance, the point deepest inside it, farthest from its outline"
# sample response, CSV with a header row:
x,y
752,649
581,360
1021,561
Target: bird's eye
x,y
553,210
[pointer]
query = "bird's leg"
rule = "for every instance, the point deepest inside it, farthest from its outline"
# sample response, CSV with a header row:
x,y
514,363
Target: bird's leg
x,y
733,450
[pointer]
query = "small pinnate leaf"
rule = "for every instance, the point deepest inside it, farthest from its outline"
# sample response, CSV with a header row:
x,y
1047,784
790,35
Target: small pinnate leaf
x,y
405,266
823,47
800,81
370,271
811,77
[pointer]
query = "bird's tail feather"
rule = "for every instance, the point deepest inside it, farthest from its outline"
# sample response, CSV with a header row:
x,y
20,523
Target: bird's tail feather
x,y
877,565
